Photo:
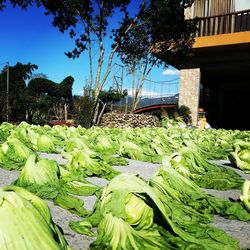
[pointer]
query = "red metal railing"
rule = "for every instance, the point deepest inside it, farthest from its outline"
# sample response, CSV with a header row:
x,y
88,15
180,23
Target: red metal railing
x,y
222,24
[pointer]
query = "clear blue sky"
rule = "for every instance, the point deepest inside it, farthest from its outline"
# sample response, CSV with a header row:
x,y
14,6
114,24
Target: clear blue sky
x,y
28,36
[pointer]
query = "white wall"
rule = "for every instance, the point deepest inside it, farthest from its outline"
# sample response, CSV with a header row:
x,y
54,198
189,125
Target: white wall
x,y
242,5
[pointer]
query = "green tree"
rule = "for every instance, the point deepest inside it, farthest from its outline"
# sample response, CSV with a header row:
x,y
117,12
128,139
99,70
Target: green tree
x,y
173,35
87,22
39,75
159,34
185,113
17,98
157,30
48,98
39,105
109,97
82,110
62,96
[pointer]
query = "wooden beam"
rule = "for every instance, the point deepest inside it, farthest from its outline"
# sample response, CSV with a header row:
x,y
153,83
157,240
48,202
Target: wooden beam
x,y
222,39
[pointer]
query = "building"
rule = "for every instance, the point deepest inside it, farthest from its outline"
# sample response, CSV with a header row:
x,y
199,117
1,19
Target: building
x,y
217,76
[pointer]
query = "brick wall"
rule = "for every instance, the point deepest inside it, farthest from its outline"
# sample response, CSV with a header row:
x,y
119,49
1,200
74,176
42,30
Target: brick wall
x,y
189,91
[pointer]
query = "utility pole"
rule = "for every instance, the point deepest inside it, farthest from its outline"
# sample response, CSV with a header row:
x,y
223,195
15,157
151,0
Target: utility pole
x,y
7,91
7,70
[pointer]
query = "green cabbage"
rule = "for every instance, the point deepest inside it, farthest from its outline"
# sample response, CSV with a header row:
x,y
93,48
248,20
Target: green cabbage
x,y
240,157
26,223
137,152
135,215
88,163
39,171
187,192
245,195
13,154
40,176
45,144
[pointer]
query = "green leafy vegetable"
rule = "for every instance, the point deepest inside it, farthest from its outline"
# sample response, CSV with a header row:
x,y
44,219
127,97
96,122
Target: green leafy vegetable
x,y
240,157
71,203
245,195
13,154
39,171
45,144
80,188
26,223
183,189
89,163
190,162
134,215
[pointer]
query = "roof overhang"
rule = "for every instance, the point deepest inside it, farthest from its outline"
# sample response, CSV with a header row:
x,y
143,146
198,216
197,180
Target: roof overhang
x,y
222,40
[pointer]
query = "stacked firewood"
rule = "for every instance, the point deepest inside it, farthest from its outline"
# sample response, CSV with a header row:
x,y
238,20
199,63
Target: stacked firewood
x,y
120,120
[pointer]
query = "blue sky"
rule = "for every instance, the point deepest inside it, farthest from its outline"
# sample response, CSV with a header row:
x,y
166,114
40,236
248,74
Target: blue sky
x,y
28,36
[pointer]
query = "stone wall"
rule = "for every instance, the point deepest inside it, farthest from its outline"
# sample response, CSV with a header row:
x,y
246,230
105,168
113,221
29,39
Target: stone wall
x,y
120,120
190,91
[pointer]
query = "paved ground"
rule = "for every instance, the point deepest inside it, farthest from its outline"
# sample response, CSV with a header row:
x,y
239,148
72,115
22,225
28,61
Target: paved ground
x,y
237,229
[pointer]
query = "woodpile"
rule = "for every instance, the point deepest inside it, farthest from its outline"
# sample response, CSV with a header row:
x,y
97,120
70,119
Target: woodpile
x,y
120,120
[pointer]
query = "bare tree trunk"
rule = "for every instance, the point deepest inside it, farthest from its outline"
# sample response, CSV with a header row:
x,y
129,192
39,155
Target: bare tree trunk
x,y
137,96
133,92
96,110
101,113
133,84
58,111
143,76
126,105
61,110
65,111
90,59
99,70
98,83
55,111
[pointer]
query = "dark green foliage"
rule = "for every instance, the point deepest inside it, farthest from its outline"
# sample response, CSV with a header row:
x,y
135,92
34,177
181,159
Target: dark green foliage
x,y
173,36
17,91
112,95
47,97
41,86
82,110
160,31
184,110
71,203
33,102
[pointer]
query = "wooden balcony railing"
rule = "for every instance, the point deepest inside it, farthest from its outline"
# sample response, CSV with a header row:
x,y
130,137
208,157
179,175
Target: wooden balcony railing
x,y
222,24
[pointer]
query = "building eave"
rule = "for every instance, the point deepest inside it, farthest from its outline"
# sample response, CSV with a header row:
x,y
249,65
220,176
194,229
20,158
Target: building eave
x,y
222,40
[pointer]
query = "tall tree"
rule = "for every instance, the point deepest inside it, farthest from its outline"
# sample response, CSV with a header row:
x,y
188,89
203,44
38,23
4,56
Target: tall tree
x,y
39,75
134,50
17,89
49,98
159,34
172,34
88,20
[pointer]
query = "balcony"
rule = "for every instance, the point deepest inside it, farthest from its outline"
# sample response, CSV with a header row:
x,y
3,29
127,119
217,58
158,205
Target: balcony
x,y
224,24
